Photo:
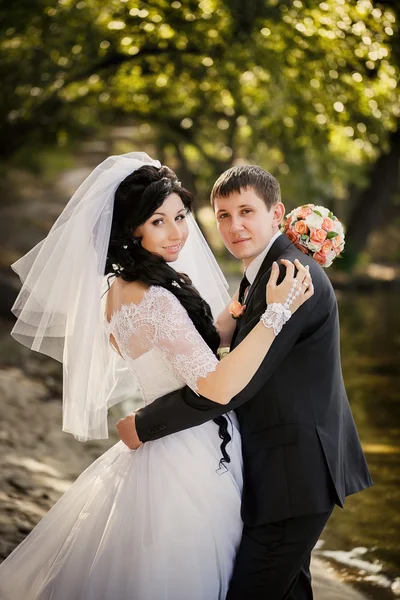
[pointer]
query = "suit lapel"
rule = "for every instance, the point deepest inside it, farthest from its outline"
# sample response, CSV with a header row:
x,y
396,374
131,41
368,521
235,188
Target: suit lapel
x,y
277,248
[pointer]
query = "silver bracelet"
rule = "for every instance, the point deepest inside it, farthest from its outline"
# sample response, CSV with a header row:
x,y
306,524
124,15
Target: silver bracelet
x,y
294,292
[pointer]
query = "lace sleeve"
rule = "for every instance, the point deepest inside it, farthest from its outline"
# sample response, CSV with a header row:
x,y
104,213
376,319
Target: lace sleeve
x,y
162,323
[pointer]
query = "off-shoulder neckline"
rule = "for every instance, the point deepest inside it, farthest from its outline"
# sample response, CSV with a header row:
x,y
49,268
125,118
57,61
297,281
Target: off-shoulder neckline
x,y
130,305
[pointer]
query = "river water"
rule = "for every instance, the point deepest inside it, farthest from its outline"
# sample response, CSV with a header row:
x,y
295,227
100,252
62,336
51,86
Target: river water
x,y
363,541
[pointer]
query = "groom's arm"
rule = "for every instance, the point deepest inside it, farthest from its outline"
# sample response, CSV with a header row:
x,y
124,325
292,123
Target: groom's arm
x,y
183,409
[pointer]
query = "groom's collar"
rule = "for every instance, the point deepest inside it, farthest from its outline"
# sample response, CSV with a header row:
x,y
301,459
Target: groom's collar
x,y
254,266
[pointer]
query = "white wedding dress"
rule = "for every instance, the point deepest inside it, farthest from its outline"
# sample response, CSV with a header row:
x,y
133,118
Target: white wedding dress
x,y
158,523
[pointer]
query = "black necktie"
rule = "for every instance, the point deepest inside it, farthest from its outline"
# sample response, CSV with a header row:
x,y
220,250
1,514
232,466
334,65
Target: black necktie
x,y
244,284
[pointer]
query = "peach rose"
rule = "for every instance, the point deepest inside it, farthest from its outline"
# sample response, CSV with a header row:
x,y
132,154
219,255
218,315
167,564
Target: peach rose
x,y
337,241
327,224
292,235
304,212
320,258
287,223
302,248
327,246
301,228
236,309
318,236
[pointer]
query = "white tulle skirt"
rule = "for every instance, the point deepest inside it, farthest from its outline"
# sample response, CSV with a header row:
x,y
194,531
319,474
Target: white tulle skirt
x,y
158,523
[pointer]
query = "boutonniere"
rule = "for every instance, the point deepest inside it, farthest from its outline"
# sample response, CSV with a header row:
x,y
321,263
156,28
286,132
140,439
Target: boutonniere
x,y
236,309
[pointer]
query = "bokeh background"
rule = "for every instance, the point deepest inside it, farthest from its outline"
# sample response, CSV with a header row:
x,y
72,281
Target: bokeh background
x,y
306,89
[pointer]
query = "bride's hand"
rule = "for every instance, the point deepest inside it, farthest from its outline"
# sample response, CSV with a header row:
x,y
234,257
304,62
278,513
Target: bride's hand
x,y
291,285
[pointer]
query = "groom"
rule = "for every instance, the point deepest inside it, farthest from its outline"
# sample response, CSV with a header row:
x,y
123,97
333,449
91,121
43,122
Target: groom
x,y
301,451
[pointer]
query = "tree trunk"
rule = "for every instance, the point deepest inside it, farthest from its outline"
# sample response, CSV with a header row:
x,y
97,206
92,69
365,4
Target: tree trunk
x,y
374,203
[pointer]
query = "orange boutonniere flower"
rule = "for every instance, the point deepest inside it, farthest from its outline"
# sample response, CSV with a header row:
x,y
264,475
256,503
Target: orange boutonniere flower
x,y
236,309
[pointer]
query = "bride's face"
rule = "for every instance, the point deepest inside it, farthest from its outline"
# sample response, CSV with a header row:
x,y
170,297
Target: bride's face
x,y
166,232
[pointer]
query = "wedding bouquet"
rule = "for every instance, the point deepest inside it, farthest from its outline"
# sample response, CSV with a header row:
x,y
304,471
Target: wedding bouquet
x,y
315,231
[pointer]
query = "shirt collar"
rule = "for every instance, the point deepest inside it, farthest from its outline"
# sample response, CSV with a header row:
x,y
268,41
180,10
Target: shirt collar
x,y
254,266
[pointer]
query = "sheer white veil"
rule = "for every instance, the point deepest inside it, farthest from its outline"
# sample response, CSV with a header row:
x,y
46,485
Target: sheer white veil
x,y
61,304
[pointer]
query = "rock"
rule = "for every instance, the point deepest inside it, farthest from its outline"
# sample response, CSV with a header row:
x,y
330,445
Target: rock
x,y
327,584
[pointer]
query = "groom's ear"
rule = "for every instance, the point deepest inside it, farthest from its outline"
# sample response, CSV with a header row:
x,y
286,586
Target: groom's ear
x,y
279,213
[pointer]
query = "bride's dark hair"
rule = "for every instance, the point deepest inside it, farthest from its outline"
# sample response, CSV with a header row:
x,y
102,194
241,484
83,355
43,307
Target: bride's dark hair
x,y
137,197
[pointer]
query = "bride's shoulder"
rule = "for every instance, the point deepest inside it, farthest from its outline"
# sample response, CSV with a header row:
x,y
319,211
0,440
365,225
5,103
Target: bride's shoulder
x,y
153,296
129,292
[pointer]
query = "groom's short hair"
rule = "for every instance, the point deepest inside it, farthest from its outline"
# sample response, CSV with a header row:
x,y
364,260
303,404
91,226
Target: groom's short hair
x,y
243,177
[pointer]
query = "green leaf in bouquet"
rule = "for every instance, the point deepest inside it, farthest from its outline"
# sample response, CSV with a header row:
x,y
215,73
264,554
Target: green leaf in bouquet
x,y
305,237
318,213
332,234
331,216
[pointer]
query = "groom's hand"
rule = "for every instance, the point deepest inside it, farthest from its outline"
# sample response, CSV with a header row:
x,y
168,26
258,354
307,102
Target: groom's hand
x,y
126,428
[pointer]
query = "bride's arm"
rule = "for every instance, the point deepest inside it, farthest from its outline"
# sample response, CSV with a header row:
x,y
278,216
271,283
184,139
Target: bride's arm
x,y
234,372
162,323
225,324
165,326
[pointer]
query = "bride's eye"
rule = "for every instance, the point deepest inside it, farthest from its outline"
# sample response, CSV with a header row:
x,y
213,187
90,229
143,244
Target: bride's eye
x,y
158,221
180,217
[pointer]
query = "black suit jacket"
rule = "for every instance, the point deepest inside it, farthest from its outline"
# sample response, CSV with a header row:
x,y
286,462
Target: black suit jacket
x,y
301,449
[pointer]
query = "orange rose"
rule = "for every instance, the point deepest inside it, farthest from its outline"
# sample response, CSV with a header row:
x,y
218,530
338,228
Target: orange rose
x,y
327,247
337,241
318,236
327,224
301,228
287,223
320,258
302,248
304,212
292,235
236,309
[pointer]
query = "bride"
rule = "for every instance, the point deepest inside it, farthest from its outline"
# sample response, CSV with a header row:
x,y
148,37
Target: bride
x,y
162,522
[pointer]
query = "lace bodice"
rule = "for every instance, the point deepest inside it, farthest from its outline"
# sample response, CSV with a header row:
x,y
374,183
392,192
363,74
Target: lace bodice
x,y
160,344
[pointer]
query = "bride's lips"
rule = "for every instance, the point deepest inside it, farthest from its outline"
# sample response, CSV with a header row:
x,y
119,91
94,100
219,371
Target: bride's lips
x,y
173,249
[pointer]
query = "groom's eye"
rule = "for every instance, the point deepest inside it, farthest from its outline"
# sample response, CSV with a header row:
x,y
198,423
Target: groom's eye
x,y
246,210
223,216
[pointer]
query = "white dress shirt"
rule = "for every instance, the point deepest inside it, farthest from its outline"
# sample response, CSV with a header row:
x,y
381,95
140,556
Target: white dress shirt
x,y
254,266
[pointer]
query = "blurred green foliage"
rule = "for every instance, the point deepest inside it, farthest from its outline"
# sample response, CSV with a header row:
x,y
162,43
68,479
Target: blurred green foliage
x,y
306,89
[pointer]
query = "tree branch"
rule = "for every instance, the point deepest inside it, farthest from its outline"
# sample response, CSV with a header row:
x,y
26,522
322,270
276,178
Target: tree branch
x,y
117,58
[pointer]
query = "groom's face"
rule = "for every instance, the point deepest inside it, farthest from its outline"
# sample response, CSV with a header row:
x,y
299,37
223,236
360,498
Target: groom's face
x,y
246,224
